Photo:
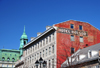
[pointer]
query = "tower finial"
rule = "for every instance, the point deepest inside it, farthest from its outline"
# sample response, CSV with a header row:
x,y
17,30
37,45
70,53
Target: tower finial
x,y
24,28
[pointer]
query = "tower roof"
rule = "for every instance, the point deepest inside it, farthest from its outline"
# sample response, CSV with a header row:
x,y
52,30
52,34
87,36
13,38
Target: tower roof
x,y
24,36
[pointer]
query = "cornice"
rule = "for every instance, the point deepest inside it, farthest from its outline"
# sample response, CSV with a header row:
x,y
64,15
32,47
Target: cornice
x,y
45,32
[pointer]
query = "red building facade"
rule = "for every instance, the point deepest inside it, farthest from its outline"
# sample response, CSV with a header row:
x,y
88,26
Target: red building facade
x,y
72,35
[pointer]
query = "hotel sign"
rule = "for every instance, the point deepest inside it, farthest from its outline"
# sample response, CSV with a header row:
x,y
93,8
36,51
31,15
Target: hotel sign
x,y
74,32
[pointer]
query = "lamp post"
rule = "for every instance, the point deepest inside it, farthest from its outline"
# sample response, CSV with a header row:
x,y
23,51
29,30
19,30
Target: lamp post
x,y
40,62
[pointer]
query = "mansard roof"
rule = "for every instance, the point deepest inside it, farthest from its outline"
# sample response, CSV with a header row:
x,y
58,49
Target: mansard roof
x,y
84,52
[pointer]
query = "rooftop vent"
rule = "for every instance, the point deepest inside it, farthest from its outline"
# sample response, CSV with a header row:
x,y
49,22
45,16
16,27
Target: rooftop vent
x,y
47,27
38,33
32,38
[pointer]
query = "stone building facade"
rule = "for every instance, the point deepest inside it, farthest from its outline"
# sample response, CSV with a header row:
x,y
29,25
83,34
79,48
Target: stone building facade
x,y
58,42
8,57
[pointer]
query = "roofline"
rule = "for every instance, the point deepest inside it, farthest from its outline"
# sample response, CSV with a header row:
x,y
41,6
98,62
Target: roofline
x,y
48,30
83,61
78,21
87,60
21,62
8,50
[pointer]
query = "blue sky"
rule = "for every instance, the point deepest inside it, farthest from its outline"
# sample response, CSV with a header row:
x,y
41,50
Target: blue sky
x,y
37,14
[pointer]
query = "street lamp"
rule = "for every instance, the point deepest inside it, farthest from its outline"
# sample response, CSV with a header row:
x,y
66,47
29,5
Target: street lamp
x,y
44,63
40,62
37,63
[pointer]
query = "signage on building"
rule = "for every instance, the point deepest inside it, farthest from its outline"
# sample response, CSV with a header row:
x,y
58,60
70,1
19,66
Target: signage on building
x,y
74,32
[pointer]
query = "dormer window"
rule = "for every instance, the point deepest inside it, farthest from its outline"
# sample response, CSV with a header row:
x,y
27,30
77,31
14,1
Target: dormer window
x,y
89,54
13,59
77,57
3,58
8,59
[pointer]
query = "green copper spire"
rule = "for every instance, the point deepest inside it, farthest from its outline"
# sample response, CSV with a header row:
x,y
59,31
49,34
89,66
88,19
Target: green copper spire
x,y
23,41
24,36
24,30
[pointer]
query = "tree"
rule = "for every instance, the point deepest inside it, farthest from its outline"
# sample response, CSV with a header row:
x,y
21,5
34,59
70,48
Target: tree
x,y
64,49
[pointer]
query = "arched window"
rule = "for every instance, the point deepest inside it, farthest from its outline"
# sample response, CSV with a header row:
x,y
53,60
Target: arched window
x,y
24,42
13,59
8,59
3,58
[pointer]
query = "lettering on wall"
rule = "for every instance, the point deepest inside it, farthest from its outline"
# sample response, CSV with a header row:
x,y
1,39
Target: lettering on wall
x,y
69,31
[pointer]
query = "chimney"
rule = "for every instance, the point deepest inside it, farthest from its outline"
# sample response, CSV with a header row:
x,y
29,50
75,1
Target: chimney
x,y
32,38
47,27
38,33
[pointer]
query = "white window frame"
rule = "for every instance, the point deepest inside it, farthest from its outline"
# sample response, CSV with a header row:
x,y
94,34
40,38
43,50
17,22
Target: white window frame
x,y
72,37
81,39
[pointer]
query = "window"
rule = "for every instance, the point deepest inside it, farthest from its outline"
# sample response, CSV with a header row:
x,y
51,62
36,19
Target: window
x,y
53,49
46,40
37,45
13,59
89,54
46,52
72,37
10,54
30,59
2,65
33,48
7,65
43,53
49,50
3,58
77,57
24,42
72,50
53,36
97,66
81,39
40,44
37,55
52,63
40,54
86,44
15,55
49,64
33,58
80,27
49,38
12,65
72,26
5,54
8,59
26,52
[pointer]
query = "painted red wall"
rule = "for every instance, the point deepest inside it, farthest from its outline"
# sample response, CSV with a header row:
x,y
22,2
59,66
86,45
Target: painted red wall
x,y
64,42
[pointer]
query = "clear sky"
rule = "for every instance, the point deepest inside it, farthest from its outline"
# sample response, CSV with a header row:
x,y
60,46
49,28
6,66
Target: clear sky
x,y
37,14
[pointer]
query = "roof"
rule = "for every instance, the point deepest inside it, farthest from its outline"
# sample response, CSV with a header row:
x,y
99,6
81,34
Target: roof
x,y
42,34
84,51
9,50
